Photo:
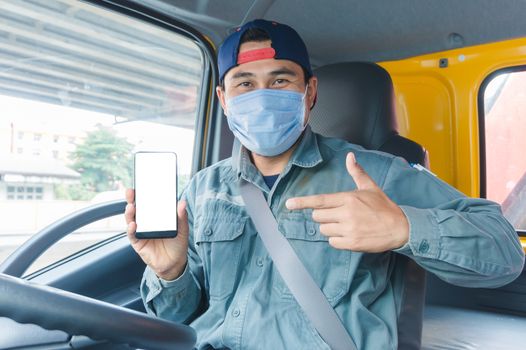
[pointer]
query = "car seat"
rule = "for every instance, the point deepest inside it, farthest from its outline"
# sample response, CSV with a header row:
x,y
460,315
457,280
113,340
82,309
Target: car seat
x,y
356,102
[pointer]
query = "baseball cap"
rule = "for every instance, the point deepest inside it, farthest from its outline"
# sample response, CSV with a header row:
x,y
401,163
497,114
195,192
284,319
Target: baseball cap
x,y
286,45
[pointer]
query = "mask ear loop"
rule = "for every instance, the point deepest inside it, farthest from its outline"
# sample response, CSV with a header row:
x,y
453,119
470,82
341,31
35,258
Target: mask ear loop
x,y
304,109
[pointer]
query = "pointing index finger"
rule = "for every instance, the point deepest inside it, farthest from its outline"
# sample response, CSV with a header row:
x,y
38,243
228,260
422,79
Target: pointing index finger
x,y
319,201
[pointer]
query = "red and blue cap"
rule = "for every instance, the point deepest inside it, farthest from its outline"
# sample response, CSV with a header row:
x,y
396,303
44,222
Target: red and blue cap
x,y
285,41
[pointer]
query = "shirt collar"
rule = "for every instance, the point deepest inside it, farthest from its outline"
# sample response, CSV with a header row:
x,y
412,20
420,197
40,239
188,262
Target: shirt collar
x,y
306,155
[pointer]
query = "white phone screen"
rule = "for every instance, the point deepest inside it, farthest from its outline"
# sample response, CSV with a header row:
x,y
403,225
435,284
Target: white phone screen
x,y
156,194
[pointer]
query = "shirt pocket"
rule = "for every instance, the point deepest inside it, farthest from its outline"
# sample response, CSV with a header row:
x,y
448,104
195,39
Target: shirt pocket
x,y
219,239
329,267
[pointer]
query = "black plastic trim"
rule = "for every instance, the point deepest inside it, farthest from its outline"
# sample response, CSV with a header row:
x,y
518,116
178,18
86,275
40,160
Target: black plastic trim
x,y
74,256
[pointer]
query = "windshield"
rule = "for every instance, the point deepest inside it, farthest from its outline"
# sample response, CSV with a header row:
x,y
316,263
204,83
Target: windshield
x,y
81,90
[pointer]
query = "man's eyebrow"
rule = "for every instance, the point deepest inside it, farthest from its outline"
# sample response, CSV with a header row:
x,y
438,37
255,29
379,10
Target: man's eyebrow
x,y
282,71
279,71
242,75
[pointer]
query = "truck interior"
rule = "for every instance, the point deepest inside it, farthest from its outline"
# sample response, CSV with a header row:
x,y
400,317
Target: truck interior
x,y
424,80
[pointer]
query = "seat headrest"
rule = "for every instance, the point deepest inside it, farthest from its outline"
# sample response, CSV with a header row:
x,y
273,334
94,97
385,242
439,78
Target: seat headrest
x,y
355,103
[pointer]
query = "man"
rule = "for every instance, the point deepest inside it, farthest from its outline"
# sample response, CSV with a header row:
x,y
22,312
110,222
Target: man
x,y
345,211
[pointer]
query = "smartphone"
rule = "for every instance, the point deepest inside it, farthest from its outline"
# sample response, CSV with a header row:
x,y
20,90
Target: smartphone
x,y
155,183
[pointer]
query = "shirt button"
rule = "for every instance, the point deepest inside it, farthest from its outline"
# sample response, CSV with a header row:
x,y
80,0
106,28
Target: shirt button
x,y
236,312
259,262
208,231
311,231
424,247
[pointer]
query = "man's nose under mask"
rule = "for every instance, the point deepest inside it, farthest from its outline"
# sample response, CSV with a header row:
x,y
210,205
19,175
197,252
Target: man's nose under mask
x,y
267,121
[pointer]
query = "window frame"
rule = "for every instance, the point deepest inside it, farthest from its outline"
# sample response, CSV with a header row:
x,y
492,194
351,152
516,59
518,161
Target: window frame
x,y
482,127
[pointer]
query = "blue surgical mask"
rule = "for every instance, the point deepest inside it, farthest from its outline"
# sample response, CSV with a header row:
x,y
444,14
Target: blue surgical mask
x,y
267,121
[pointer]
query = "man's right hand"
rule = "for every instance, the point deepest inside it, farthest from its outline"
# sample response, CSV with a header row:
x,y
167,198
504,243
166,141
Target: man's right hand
x,y
166,257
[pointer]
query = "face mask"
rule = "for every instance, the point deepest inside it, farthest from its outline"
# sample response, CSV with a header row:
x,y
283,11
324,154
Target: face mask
x,y
266,121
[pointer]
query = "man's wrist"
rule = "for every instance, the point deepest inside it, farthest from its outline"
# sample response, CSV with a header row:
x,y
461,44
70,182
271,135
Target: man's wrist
x,y
172,274
403,231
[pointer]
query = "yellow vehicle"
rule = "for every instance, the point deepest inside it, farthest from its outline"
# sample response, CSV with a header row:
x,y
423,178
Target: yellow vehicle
x,y
85,84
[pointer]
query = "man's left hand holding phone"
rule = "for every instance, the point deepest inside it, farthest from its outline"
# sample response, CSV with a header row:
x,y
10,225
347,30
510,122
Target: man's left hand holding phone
x,y
166,256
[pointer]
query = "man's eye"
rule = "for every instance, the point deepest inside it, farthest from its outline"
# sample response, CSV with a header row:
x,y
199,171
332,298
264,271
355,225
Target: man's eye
x,y
244,84
281,83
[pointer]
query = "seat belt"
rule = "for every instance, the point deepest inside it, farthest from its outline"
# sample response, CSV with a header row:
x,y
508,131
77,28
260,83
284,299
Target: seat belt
x,y
306,292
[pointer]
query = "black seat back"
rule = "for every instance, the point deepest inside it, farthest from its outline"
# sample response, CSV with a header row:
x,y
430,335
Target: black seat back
x,y
356,103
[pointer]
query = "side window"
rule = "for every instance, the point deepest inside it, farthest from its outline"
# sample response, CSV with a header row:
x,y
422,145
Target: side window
x,y
504,120
81,89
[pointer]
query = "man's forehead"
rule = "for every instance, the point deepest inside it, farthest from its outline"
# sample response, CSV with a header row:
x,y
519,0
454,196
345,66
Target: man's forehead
x,y
265,67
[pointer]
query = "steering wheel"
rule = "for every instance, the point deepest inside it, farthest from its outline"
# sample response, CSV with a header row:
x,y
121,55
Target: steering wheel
x,y
56,309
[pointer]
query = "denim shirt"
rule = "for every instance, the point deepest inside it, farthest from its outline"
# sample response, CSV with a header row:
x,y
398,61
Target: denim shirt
x,y
232,295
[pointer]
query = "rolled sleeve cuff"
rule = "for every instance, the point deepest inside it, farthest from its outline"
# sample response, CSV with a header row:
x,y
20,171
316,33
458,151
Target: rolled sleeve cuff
x,y
156,285
424,233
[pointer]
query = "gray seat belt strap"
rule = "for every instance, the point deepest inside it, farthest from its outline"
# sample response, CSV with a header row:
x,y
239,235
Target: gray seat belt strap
x,y
306,292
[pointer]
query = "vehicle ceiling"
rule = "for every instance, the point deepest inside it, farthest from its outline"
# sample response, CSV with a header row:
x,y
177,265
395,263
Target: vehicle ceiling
x,y
360,30
70,53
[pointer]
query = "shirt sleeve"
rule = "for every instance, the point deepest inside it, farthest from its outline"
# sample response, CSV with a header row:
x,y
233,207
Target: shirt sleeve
x,y
182,299
464,241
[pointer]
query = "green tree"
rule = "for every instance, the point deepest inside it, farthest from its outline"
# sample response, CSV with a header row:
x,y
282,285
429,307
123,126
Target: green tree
x,y
104,160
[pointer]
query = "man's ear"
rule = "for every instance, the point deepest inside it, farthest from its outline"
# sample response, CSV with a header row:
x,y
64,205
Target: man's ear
x,y
221,96
312,91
